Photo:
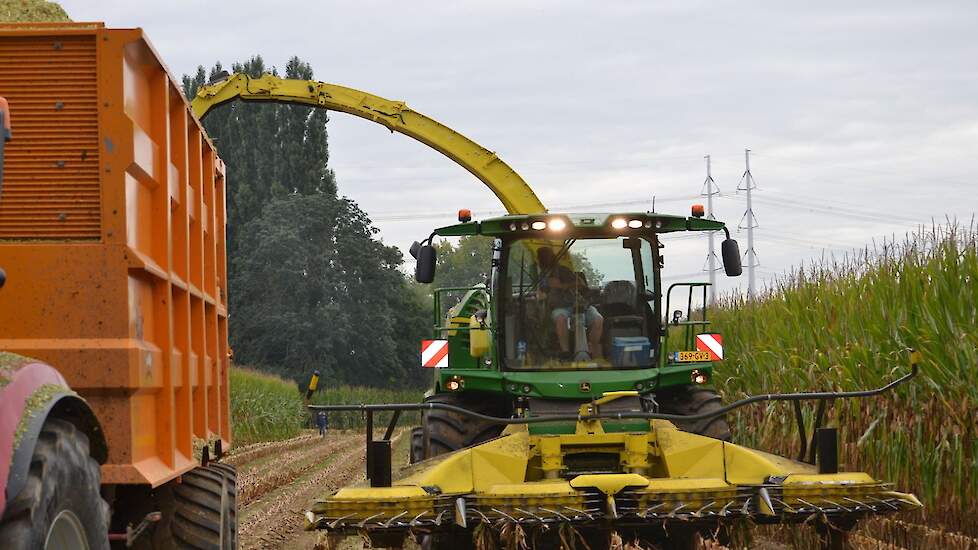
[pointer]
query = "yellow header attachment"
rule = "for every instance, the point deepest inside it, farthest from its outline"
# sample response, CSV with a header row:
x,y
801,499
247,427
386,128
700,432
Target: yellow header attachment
x,y
511,189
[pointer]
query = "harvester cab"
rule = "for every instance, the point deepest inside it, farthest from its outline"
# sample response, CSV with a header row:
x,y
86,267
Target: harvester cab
x,y
574,307
570,408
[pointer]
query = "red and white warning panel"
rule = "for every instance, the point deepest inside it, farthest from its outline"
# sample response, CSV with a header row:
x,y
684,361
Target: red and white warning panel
x,y
712,343
434,354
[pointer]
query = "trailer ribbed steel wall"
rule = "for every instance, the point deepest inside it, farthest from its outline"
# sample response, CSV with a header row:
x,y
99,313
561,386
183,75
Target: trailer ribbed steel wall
x,y
112,233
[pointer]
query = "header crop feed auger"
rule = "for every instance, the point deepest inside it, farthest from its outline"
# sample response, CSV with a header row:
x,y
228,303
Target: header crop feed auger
x,y
564,413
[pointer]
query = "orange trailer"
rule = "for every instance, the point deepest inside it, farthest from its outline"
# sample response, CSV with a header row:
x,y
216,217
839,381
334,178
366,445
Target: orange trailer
x,y
112,236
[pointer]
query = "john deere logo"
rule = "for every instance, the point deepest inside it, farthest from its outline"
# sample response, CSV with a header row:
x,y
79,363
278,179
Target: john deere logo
x,y
585,387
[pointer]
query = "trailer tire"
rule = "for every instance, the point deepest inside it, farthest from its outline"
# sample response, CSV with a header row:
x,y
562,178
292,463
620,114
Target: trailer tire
x,y
201,511
691,400
60,501
450,431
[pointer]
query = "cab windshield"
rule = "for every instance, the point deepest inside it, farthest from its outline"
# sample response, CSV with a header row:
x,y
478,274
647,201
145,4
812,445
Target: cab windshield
x,y
578,304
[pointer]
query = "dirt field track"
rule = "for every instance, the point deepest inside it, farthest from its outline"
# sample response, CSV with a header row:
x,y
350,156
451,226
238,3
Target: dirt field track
x,y
276,482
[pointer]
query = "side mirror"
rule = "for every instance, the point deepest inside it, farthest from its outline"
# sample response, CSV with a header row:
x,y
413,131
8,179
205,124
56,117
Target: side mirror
x,y
415,247
677,316
730,251
424,271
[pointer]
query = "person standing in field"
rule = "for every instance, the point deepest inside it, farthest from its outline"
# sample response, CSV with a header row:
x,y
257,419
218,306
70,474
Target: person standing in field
x,y
322,422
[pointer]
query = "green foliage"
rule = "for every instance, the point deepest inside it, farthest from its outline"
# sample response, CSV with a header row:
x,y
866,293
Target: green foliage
x,y
463,264
271,150
20,11
263,407
316,291
310,287
845,324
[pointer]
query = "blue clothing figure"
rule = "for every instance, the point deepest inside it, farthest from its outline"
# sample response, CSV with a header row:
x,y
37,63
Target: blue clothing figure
x,y
322,422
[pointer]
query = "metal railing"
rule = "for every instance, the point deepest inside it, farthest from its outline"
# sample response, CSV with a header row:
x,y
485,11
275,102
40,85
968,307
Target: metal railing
x,y
398,408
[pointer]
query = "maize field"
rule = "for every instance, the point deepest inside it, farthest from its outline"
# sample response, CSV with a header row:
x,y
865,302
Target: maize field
x,y
845,324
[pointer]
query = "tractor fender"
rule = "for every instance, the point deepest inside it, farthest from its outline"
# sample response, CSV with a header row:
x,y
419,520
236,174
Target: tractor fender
x,y
30,393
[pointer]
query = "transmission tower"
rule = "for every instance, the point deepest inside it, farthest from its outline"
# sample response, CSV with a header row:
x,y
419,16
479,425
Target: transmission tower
x,y
709,190
749,222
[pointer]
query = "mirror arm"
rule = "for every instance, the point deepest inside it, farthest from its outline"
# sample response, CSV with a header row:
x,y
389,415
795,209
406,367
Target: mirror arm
x,y
726,231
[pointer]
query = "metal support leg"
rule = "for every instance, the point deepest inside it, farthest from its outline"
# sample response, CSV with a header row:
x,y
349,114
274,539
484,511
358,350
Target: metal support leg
x,y
370,439
813,448
828,450
802,435
392,425
380,474
425,435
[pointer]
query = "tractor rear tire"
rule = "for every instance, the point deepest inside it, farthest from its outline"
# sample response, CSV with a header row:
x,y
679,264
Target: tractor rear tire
x,y
691,400
450,431
201,511
60,505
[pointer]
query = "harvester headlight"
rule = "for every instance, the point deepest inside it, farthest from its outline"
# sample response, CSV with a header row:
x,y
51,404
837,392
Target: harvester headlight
x,y
619,223
648,224
557,224
658,224
634,224
699,377
455,383
538,225
526,388
524,226
512,227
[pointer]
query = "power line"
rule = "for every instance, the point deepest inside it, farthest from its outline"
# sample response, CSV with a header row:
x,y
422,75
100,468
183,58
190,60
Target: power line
x,y
838,211
419,216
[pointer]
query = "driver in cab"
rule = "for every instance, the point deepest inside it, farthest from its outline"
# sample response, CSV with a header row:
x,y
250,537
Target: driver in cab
x,y
560,288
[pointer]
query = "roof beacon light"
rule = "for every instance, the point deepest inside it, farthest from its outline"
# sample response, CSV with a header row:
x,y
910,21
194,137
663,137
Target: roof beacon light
x,y
557,224
538,225
698,211
619,223
464,215
635,224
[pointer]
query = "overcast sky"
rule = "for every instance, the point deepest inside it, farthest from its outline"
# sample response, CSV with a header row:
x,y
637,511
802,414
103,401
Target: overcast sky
x,y
862,117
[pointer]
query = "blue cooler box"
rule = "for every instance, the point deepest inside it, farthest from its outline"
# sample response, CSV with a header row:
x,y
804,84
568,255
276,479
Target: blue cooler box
x,y
631,351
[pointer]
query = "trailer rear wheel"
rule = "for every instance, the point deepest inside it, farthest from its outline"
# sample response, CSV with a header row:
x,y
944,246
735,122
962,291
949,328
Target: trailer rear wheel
x,y
201,511
60,505
691,400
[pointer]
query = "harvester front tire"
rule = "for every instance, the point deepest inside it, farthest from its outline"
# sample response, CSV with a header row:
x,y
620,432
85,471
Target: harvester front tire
x,y
201,511
697,400
450,431
60,505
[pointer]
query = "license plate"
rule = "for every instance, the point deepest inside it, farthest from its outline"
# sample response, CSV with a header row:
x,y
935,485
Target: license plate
x,y
692,356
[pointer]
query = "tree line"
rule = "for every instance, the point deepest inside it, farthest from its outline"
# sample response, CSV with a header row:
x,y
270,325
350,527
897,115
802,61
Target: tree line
x,y
310,285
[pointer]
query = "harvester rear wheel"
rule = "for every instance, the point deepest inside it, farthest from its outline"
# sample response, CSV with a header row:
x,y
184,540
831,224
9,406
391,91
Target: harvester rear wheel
x,y
200,511
450,431
690,400
60,505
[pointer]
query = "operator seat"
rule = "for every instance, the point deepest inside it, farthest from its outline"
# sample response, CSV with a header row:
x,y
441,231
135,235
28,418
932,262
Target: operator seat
x,y
619,306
